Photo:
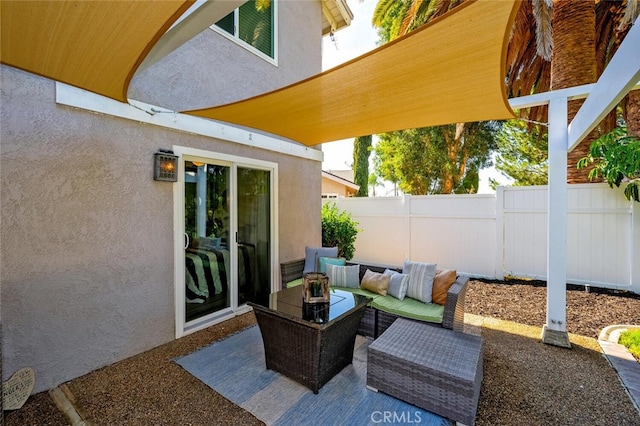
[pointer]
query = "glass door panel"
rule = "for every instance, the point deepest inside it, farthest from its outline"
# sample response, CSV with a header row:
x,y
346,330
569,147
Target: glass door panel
x,y
207,234
254,234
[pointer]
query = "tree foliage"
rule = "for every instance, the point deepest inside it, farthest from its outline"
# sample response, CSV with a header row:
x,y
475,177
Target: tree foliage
x,y
522,153
442,159
433,160
361,152
616,157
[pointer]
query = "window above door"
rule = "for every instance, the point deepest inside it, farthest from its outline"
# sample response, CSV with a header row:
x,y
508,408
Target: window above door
x,y
253,26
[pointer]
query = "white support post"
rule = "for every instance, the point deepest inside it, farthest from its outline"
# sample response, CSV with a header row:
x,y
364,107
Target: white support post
x,y
554,331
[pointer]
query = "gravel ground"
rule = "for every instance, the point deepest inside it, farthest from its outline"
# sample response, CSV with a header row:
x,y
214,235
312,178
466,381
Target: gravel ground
x,y
525,302
525,381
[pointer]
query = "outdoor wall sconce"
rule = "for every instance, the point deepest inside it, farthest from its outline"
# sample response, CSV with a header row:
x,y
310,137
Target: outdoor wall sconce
x,y
165,166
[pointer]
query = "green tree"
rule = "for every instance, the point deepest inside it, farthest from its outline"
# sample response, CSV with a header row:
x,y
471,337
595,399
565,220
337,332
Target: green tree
x,y
616,158
522,153
445,159
361,152
374,182
384,164
435,160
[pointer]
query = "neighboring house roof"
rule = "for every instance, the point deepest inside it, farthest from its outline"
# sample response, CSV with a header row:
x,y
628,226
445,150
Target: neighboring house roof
x,y
334,175
344,174
335,15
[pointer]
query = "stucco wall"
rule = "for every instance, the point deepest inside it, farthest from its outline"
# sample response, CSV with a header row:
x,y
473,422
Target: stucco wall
x,y
211,70
87,261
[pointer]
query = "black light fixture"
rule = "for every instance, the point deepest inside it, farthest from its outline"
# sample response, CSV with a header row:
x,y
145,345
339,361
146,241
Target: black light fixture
x,y
165,166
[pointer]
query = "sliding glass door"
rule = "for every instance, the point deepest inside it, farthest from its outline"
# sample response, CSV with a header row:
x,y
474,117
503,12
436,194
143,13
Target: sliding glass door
x,y
207,243
254,234
227,226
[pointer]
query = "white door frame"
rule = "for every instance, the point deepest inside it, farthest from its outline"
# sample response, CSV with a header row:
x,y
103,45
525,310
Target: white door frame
x,y
186,153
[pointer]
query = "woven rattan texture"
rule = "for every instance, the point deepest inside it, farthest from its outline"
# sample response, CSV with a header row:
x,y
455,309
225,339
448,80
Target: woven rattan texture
x,y
375,322
307,354
434,368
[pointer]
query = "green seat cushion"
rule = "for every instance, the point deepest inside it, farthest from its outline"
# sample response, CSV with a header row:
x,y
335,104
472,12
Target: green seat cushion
x,y
294,283
410,308
359,291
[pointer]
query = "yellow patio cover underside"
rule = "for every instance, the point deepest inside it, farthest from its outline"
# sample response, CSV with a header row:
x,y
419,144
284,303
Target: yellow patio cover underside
x,y
449,71
94,45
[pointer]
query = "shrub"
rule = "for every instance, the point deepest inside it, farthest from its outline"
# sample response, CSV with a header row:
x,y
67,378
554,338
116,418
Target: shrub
x,y
616,158
339,229
631,339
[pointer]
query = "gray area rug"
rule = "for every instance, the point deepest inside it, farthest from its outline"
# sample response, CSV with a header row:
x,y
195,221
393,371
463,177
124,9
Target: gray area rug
x,y
235,368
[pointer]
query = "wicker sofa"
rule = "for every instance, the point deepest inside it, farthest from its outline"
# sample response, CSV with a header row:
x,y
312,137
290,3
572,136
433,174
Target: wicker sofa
x,y
376,320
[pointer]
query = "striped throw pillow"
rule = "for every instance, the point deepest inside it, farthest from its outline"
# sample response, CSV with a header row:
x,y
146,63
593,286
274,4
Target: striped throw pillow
x,y
343,276
398,284
420,280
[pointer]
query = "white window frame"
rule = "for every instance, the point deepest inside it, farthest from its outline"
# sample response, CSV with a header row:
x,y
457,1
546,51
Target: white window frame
x,y
236,39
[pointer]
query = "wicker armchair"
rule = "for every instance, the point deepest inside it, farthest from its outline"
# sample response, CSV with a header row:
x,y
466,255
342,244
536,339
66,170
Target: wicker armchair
x,y
376,321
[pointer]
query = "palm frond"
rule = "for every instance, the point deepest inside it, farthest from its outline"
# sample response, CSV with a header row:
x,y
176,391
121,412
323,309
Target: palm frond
x,y
410,16
381,11
542,12
630,15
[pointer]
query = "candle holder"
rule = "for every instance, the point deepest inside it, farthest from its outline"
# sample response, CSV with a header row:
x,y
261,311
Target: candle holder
x,y
315,287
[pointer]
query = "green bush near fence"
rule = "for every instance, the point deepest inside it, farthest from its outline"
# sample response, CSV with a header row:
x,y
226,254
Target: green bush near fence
x,y
339,229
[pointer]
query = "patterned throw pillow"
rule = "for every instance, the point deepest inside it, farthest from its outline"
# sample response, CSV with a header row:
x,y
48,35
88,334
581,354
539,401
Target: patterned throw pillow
x,y
344,276
375,282
420,280
324,261
312,257
398,284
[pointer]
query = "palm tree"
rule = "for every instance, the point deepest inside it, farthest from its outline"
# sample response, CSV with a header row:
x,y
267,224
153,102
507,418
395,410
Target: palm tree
x,y
585,36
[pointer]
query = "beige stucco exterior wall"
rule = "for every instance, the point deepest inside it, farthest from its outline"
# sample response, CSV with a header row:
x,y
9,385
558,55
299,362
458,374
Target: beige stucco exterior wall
x,y
181,82
87,255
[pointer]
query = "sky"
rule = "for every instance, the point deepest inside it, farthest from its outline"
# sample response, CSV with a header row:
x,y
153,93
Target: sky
x,y
350,42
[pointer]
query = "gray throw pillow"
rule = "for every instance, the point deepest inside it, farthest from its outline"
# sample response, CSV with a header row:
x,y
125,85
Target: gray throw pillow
x,y
313,254
420,280
398,284
344,276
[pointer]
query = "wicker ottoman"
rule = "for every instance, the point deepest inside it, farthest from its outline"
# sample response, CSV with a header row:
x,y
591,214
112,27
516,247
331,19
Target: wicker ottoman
x,y
430,367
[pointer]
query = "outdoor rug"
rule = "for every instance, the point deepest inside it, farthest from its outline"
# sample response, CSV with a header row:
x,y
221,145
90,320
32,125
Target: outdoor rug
x,y
235,368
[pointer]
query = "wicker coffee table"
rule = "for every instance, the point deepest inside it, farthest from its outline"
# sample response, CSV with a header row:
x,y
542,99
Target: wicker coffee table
x,y
433,368
309,343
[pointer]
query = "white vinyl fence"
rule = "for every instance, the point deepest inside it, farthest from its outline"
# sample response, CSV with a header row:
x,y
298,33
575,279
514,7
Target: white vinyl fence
x,y
491,236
